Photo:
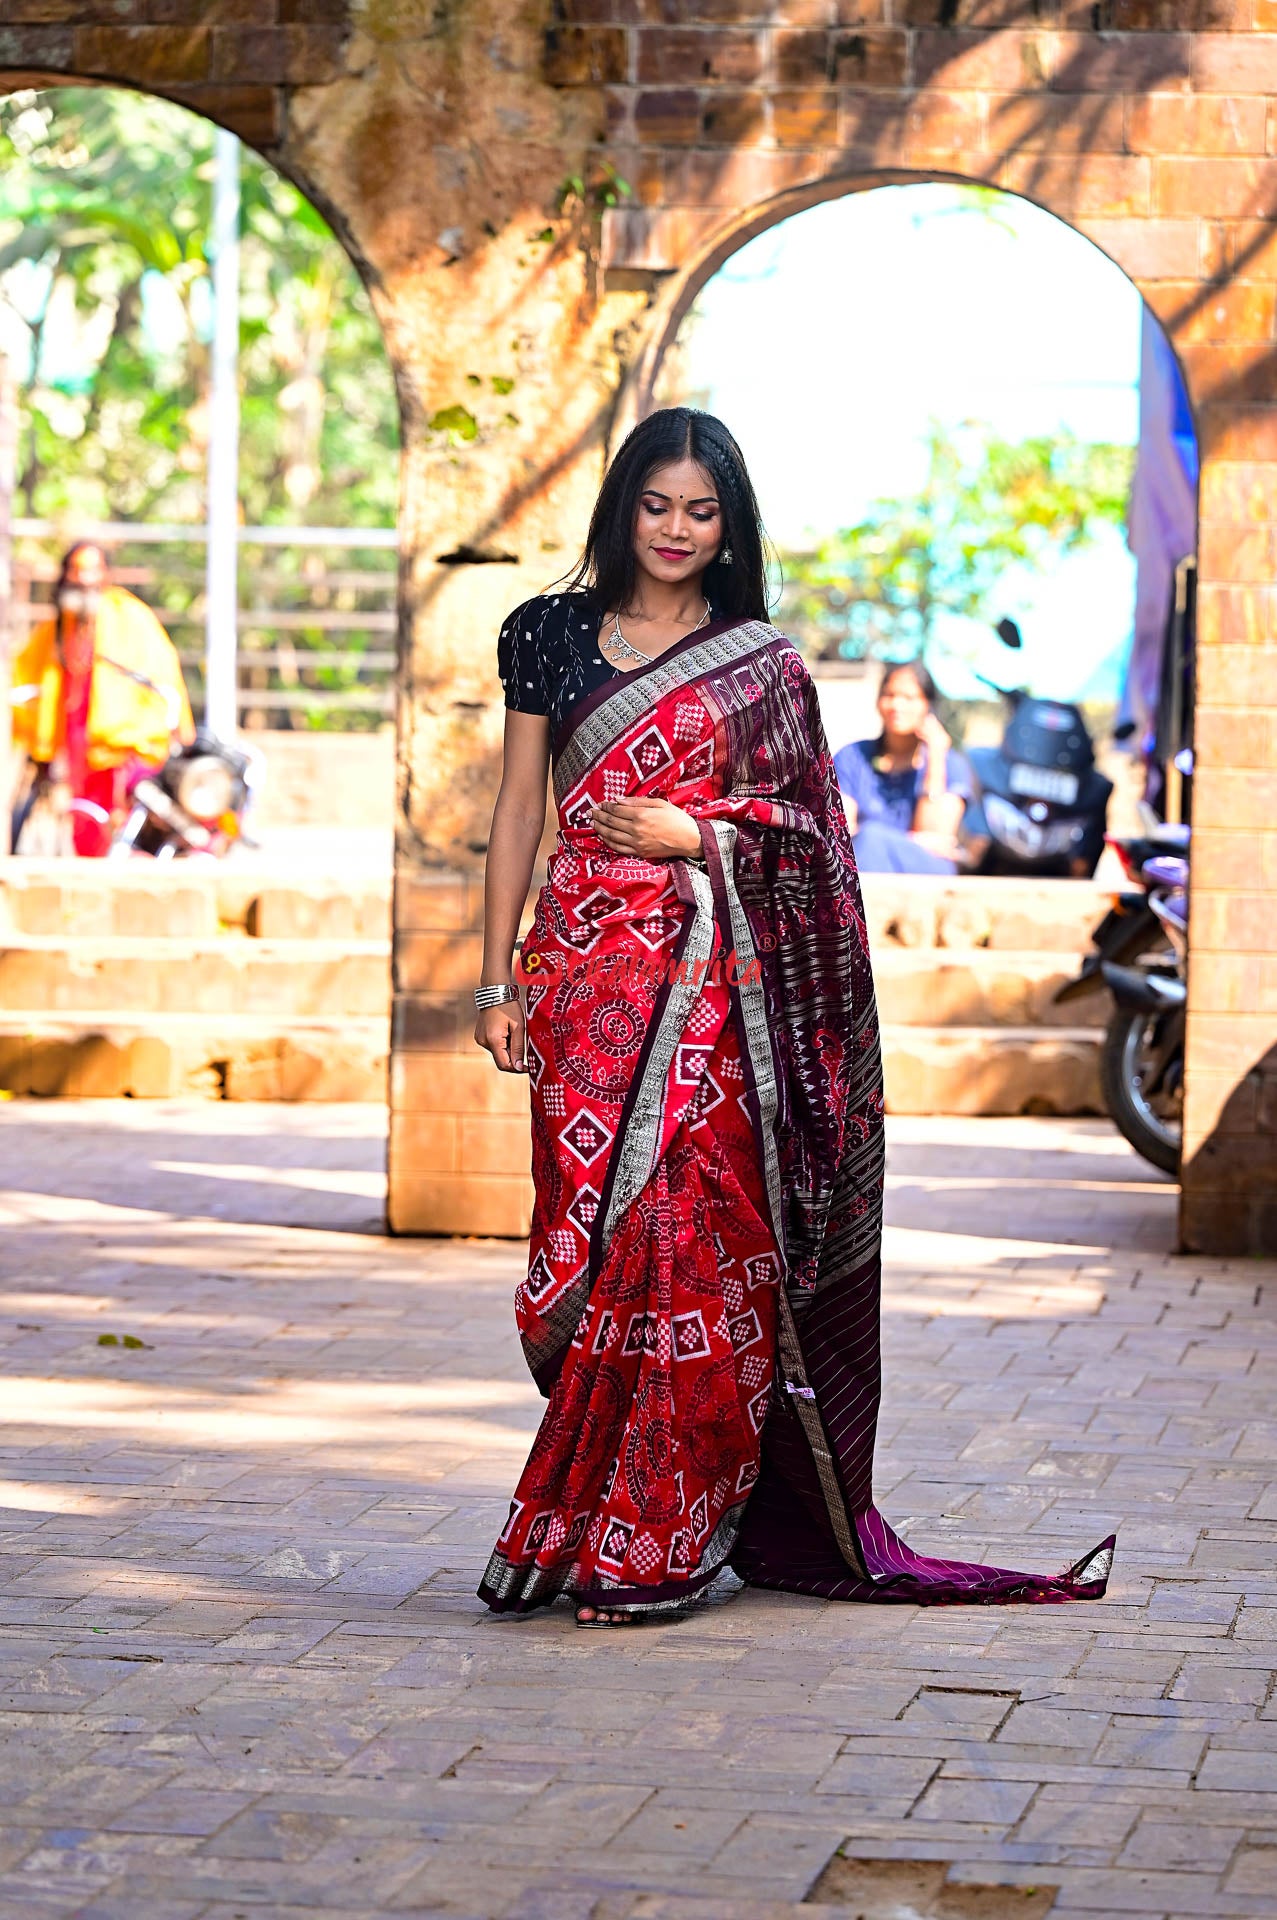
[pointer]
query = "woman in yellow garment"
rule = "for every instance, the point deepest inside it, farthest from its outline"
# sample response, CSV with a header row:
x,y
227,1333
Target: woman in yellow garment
x,y
102,685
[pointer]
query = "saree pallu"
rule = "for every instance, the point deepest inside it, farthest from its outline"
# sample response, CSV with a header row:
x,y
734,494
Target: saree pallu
x,y
701,1306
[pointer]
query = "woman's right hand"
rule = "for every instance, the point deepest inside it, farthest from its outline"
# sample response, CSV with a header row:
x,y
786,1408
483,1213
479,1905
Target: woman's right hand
x,y
500,1031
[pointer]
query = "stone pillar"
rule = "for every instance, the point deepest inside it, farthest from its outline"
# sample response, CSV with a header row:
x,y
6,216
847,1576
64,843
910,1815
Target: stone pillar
x,y
508,352
1229,1177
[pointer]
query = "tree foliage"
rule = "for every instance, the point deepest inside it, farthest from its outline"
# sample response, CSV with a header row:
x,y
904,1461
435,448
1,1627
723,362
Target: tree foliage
x,y
105,203
987,505
106,311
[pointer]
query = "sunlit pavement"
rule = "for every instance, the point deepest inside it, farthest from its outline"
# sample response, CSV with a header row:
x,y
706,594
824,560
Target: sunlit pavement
x,y
242,1665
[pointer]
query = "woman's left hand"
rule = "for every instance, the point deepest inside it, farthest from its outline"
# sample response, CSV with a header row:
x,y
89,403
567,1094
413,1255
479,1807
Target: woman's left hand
x,y
647,828
935,739
942,843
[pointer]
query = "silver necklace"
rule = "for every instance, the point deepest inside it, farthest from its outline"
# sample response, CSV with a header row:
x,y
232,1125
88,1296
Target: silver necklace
x,y
618,640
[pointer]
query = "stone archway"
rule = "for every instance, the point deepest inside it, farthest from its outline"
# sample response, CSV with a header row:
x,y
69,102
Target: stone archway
x,y
678,288
467,157
1209,275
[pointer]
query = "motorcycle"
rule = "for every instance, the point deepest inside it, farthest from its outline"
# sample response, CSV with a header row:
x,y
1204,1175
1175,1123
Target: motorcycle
x,y
41,811
1041,803
194,806
1140,955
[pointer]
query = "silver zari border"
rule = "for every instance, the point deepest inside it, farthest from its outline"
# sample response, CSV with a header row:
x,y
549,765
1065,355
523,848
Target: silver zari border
x,y
638,693
753,1005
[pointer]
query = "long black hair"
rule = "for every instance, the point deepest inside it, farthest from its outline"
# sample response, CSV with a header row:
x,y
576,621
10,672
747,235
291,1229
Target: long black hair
x,y
736,589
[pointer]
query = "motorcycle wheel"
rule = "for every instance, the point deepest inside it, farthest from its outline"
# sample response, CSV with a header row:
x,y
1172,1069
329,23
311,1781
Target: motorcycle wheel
x,y
1151,1122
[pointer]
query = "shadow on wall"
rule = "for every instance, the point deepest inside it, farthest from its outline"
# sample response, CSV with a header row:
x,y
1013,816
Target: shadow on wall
x,y
1230,1183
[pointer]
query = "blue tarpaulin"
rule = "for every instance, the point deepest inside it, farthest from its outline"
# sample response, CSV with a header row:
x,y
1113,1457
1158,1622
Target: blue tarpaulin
x,y
1162,528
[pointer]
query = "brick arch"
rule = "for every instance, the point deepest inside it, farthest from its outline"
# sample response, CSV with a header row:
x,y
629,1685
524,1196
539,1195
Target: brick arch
x,y
438,140
678,289
1211,282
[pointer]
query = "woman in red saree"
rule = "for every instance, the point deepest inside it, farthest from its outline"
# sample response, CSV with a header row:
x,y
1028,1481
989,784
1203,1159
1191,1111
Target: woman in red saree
x,y
701,1041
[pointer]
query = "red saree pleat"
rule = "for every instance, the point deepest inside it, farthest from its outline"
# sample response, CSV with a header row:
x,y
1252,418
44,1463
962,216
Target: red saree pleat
x,y
702,1298
650,1443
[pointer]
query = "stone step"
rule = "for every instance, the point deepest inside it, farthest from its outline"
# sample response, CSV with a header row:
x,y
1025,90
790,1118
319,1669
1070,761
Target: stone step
x,y
992,1070
112,1055
1043,916
1002,1070
187,900
281,979
252,1056
981,987
47,973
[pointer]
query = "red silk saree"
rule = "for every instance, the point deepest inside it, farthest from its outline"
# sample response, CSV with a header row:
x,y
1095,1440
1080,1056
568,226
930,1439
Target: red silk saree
x,y
702,1299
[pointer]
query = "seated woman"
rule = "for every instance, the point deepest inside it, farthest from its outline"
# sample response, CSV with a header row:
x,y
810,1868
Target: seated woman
x,y
905,793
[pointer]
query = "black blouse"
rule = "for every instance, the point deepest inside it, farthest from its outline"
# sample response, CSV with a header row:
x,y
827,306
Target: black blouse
x,y
548,655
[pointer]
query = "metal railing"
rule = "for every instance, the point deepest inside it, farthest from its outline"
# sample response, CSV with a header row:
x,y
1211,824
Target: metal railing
x,y
316,607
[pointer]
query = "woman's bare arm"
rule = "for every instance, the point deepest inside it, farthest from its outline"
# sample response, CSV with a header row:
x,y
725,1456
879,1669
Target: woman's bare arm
x,y
518,820
938,812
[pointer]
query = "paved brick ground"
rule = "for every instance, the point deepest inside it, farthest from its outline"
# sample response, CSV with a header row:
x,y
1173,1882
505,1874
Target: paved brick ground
x,y
242,1671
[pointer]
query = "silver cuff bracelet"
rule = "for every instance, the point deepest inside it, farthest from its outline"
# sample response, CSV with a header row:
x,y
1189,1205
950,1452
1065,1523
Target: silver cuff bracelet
x,y
494,996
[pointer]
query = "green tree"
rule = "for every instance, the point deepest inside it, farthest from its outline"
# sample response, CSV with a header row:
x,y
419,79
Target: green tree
x,y
104,270
985,507
105,309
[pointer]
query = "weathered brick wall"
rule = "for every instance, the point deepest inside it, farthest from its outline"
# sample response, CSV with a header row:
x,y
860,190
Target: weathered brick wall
x,y
441,137
1151,126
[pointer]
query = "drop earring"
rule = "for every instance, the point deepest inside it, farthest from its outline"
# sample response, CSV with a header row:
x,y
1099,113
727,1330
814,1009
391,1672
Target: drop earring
x,y
725,556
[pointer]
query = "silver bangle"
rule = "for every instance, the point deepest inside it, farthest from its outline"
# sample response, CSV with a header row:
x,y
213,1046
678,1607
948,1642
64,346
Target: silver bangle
x,y
494,996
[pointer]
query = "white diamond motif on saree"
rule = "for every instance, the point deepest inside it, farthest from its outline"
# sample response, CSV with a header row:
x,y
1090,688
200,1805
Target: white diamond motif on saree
x,y
689,1064
655,931
585,1136
650,753
761,1269
587,913
578,814
691,1342
709,1095
581,1212
699,764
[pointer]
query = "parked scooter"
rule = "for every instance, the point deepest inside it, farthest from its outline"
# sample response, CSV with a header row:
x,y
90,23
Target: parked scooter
x,y
194,806
1043,804
1140,956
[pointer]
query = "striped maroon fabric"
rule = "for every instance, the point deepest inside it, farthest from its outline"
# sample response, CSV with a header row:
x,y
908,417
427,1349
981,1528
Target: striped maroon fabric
x,y
794,874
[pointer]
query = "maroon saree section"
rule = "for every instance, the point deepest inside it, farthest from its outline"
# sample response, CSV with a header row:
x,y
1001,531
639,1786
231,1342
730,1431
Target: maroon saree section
x,y
811,1525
